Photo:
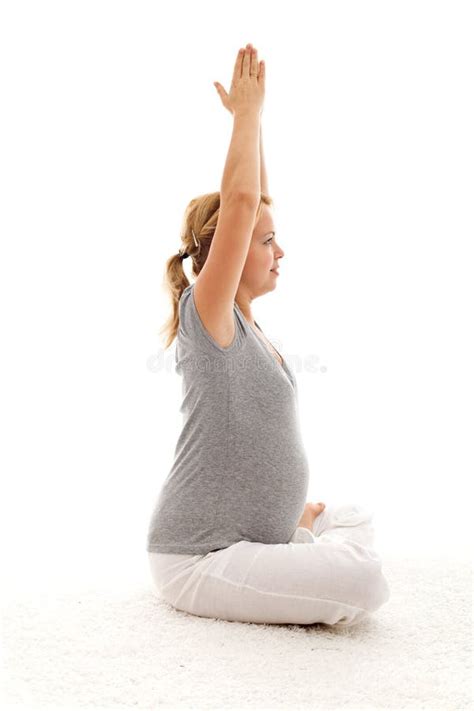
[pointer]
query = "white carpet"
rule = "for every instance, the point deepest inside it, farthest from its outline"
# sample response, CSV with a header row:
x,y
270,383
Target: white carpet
x,y
111,649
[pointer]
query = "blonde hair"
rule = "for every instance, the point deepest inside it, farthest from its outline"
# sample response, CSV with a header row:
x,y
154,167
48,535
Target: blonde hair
x,y
200,216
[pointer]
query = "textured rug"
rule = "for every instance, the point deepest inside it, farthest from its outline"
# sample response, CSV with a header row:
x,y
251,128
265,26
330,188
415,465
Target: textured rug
x,y
112,648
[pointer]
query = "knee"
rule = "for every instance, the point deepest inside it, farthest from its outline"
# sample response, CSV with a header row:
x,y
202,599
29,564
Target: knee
x,y
376,589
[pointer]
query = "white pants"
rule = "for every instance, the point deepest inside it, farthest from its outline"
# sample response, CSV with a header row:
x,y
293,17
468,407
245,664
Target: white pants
x,y
331,575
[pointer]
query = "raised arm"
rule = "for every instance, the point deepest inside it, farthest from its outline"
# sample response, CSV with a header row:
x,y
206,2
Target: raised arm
x,y
224,96
263,170
217,283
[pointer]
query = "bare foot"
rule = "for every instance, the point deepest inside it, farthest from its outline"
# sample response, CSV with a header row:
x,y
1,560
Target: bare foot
x,y
311,511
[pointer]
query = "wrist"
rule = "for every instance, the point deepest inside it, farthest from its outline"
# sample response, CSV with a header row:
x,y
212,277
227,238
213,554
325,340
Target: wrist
x,y
247,115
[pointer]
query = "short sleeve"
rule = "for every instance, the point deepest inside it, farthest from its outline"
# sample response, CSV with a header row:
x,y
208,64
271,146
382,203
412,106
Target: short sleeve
x,y
194,331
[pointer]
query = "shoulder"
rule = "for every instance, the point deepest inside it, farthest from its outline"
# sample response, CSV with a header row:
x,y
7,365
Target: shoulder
x,y
192,327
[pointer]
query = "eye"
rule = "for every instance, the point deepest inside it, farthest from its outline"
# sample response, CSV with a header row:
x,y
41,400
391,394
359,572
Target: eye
x,y
268,240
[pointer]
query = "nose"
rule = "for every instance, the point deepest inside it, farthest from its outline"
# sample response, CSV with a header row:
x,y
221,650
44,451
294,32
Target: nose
x,y
279,252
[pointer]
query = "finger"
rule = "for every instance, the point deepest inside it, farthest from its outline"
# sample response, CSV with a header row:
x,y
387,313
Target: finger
x,y
223,95
220,90
261,71
254,64
238,66
246,64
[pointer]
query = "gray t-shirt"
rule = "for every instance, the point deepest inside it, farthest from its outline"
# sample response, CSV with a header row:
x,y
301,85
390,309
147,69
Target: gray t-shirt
x,y
240,470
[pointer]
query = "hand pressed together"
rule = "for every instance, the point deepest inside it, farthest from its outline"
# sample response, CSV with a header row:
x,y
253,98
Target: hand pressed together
x,y
247,91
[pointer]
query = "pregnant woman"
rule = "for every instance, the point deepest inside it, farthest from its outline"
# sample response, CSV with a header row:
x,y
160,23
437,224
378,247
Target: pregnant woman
x,y
230,535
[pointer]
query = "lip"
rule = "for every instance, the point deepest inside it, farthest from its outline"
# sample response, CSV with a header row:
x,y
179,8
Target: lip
x,y
275,271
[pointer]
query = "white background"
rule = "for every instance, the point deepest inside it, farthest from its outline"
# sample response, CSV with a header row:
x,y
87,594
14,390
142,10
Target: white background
x,y
110,125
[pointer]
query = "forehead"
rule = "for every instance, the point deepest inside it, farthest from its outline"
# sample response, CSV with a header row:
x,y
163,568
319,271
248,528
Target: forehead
x,y
265,223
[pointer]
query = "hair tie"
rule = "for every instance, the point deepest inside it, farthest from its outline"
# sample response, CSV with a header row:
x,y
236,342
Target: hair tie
x,y
183,254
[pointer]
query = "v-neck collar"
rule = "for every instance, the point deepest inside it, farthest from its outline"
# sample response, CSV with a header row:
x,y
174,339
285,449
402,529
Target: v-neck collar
x,y
283,366
282,359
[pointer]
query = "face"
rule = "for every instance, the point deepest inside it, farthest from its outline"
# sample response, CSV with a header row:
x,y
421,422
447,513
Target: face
x,y
263,255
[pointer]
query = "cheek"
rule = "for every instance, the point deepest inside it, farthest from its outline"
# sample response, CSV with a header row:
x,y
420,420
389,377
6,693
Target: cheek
x,y
253,260
265,262
258,261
